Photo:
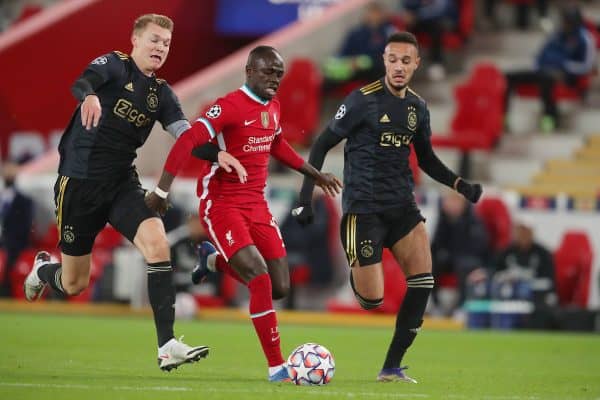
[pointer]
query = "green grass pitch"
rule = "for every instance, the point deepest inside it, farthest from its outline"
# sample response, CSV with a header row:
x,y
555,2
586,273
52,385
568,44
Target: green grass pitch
x,y
89,358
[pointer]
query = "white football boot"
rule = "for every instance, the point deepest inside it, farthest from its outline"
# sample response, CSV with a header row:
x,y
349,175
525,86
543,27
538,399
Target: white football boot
x,y
174,353
33,286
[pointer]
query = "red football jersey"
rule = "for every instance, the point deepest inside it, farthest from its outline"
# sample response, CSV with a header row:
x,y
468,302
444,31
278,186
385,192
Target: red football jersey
x,y
244,125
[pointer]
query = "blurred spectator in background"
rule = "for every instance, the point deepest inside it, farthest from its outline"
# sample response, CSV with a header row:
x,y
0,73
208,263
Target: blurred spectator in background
x,y
522,13
459,246
361,55
529,261
16,219
432,17
310,254
567,55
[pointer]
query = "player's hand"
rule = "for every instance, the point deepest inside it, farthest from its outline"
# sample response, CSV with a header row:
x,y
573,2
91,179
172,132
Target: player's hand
x,y
90,111
229,163
156,203
472,192
303,214
329,183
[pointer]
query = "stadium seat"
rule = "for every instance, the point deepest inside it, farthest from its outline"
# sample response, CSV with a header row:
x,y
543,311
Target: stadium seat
x,y
573,267
478,121
496,218
300,97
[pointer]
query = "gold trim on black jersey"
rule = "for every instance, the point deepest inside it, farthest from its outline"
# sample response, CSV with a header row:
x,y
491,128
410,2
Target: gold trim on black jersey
x,y
351,239
160,81
415,93
371,88
121,55
59,203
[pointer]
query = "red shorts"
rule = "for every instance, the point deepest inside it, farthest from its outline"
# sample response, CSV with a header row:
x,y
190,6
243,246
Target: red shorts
x,y
232,228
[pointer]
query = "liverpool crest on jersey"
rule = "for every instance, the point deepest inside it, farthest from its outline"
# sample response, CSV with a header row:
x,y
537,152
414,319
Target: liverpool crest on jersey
x,y
264,119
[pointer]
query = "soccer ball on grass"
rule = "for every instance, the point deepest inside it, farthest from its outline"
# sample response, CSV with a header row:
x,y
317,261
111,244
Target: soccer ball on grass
x,y
310,364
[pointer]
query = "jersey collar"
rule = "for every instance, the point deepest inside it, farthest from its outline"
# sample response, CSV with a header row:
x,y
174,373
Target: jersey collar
x,y
253,96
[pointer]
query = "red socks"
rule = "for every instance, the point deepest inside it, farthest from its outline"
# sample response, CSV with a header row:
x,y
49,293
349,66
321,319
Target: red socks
x,y
264,318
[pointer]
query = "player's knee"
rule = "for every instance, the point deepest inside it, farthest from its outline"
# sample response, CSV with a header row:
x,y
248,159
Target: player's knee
x,y
368,304
367,300
280,290
73,287
157,249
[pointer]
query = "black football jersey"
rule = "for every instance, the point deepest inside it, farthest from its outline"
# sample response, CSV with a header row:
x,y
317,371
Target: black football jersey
x,y
131,102
379,128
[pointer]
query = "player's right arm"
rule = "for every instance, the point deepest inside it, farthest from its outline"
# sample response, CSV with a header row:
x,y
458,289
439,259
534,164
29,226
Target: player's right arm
x,y
97,73
220,115
346,119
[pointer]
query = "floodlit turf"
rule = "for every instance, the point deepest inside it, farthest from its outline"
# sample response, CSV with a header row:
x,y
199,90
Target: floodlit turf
x,y
89,358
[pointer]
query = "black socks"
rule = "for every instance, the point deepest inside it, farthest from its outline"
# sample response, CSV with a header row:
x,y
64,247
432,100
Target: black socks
x,y
410,317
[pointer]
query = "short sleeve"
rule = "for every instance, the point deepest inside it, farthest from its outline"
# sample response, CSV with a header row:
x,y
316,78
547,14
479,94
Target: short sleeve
x,y
349,114
170,109
219,115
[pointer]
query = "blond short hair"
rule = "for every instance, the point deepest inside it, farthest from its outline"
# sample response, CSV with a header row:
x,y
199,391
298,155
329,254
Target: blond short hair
x,y
161,20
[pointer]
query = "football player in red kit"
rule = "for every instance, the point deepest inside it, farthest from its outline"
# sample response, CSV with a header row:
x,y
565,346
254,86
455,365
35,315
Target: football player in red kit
x,y
233,209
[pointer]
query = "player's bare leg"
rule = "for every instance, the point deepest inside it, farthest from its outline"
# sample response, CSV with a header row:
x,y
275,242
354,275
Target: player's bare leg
x,y
252,268
413,253
151,240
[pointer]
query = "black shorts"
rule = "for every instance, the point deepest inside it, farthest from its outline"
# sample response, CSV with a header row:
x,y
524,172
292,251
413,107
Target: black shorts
x,y
83,207
365,235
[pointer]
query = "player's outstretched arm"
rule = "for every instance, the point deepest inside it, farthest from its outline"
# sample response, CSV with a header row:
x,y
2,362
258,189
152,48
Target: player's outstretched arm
x,y
303,210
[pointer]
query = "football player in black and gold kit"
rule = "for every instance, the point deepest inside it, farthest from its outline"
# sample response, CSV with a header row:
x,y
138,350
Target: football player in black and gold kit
x,y
379,122
120,99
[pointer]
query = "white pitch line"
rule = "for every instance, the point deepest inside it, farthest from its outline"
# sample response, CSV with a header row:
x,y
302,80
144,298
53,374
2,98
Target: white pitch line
x,y
315,391
88,387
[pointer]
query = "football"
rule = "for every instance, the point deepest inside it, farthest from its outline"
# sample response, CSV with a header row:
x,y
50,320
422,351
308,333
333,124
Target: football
x,y
311,364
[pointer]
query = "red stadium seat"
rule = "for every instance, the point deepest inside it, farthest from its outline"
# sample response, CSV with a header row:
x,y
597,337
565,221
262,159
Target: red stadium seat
x,y
300,97
477,123
496,217
573,268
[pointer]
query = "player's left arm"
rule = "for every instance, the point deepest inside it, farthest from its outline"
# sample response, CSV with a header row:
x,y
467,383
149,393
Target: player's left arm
x,y
435,168
284,153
